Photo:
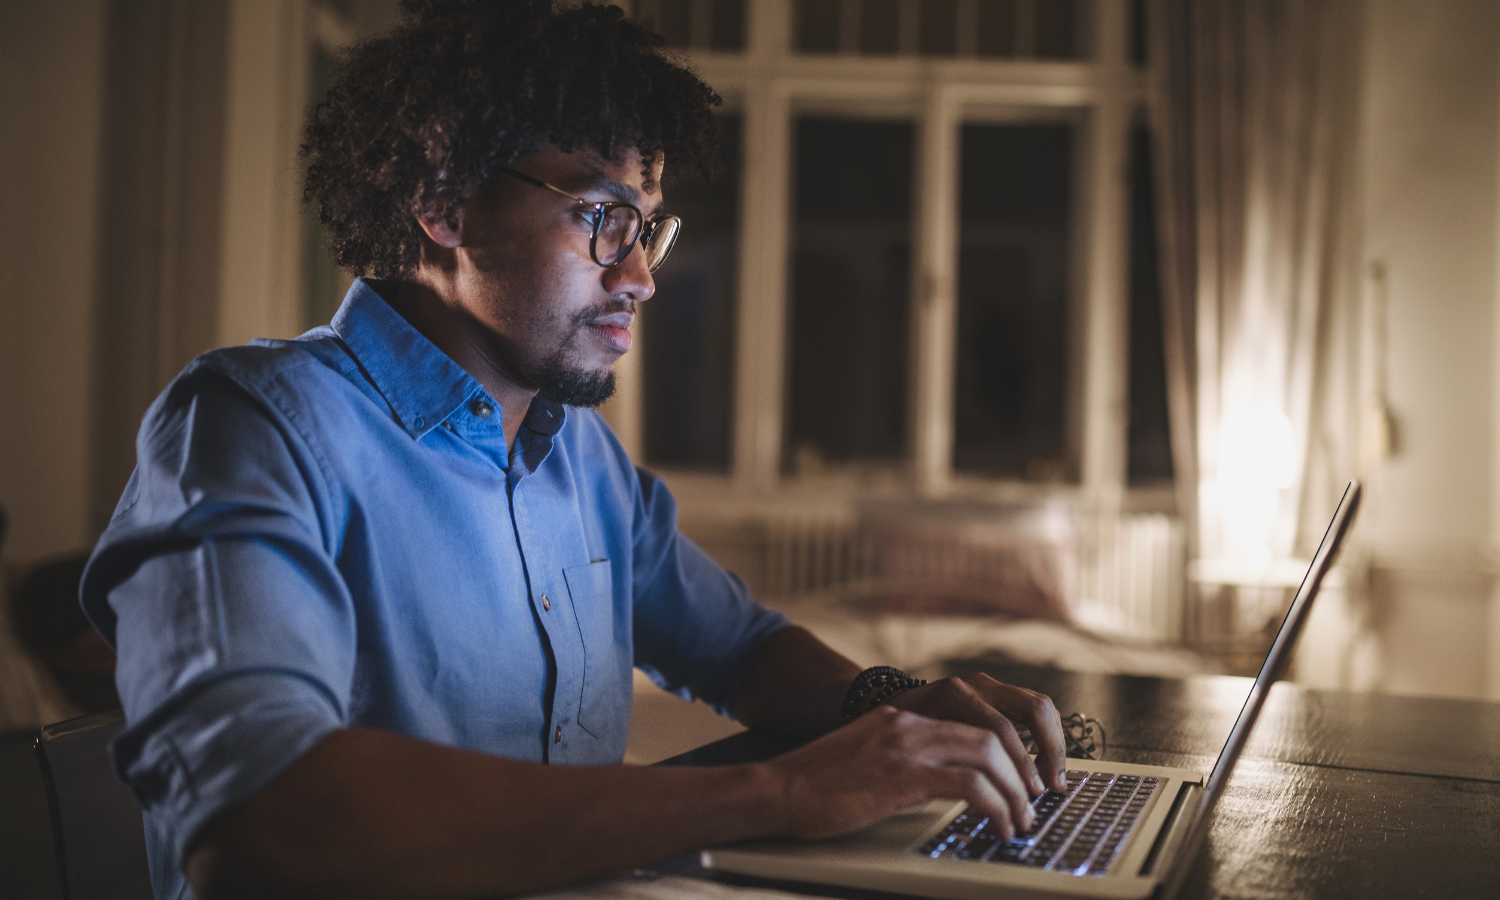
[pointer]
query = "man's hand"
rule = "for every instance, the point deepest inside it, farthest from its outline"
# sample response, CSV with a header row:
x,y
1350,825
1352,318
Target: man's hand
x,y
888,760
983,702
954,738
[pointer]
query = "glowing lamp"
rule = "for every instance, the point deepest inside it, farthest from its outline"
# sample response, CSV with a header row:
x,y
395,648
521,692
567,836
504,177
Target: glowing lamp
x,y
1257,459
1257,451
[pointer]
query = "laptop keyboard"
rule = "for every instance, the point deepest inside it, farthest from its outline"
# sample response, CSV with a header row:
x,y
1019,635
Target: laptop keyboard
x,y
1077,831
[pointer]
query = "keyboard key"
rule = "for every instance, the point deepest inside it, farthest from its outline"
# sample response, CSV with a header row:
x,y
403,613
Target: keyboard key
x,y
978,847
1079,830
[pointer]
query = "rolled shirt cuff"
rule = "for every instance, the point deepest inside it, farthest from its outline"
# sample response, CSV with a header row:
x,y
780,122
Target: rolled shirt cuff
x,y
196,757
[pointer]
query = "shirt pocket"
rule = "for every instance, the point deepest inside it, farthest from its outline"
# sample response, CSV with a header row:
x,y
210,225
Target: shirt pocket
x,y
604,706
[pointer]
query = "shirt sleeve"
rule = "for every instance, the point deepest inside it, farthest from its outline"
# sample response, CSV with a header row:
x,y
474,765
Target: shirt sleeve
x,y
216,583
697,629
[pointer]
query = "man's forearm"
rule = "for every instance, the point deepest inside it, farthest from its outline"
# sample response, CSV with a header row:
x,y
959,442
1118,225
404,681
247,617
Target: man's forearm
x,y
796,684
370,814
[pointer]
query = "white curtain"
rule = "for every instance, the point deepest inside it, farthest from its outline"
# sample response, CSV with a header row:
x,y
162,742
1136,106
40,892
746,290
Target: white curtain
x,y
1252,111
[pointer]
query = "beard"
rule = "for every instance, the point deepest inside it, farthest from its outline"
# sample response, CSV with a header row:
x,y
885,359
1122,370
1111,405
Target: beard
x,y
561,382
573,387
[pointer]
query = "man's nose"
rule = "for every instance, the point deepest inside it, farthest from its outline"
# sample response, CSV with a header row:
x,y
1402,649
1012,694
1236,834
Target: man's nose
x,y
631,278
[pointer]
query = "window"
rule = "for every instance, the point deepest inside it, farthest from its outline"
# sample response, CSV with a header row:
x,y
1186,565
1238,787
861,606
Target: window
x,y
1044,29
935,283
697,24
1011,390
845,397
687,334
1150,447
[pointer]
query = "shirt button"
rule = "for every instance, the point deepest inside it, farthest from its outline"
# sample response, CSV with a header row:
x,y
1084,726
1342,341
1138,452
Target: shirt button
x,y
546,604
557,735
481,409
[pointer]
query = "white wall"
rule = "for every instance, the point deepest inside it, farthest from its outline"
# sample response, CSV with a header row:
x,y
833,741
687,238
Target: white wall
x,y
1430,214
51,89
1429,208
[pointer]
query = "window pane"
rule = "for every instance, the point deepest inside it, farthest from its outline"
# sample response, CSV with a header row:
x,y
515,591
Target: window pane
x,y
939,28
687,329
728,25
1011,386
817,26
1138,36
997,28
848,315
880,27
1150,441
695,24
669,18
1059,28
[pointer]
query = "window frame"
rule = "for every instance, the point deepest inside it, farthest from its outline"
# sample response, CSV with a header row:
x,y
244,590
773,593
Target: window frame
x,y
770,84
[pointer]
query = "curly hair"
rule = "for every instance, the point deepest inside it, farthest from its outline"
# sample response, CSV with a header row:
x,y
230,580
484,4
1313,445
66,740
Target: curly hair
x,y
418,119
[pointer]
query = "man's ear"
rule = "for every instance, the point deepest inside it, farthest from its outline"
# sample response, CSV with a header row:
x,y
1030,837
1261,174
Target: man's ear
x,y
445,230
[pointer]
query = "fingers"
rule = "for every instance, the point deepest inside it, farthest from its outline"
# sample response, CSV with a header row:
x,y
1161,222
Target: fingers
x,y
1040,717
889,760
966,784
952,739
1015,748
972,758
983,702
956,700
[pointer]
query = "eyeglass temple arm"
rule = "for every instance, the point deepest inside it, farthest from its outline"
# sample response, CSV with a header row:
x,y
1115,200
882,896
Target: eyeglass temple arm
x,y
537,182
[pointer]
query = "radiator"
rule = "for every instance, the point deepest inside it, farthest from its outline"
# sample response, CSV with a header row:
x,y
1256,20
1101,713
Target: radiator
x,y
1132,576
812,554
1122,574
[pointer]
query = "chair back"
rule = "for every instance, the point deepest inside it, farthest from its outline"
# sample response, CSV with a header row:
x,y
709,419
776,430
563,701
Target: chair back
x,y
96,823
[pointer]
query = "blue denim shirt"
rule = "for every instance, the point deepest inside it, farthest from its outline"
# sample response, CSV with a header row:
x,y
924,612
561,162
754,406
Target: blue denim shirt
x,y
332,532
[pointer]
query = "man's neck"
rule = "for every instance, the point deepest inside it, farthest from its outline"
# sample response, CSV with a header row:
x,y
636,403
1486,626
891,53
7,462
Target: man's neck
x,y
457,335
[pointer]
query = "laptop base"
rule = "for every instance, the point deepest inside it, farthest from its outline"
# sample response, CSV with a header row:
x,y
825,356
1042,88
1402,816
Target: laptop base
x,y
886,856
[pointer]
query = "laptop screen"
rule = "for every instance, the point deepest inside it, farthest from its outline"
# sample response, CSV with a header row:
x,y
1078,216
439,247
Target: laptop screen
x,y
1271,670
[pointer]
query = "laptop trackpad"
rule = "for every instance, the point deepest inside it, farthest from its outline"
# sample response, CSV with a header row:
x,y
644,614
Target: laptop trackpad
x,y
903,830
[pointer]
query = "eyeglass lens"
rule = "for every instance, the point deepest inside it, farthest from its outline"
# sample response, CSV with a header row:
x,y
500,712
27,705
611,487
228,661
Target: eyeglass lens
x,y
659,244
617,234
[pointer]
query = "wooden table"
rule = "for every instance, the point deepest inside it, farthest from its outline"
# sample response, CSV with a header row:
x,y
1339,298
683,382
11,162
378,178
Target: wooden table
x,y
1338,794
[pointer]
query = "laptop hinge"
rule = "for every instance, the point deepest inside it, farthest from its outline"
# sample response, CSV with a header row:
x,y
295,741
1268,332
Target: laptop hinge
x,y
1168,839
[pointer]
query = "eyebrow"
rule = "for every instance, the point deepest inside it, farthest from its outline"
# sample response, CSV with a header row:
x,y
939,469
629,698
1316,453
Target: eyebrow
x,y
616,189
620,191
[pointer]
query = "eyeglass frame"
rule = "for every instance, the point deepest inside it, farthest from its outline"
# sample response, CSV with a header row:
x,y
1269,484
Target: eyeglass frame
x,y
643,231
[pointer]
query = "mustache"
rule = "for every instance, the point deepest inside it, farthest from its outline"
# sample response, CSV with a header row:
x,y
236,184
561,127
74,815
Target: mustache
x,y
600,310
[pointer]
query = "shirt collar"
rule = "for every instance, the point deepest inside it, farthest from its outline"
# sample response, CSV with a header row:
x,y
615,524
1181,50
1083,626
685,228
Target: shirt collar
x,y
544,416
420,382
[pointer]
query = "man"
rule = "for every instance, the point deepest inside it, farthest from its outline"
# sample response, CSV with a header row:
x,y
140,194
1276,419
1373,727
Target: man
x,y
377,592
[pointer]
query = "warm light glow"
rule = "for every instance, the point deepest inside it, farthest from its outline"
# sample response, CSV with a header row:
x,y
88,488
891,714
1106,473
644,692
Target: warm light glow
x,y
1256,450
1257,459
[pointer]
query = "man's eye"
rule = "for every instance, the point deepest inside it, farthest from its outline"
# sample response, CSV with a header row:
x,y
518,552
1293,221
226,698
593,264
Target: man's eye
x,y
619,221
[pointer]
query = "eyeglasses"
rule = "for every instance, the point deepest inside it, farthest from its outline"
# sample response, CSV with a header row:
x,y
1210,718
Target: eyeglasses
x,y
617,227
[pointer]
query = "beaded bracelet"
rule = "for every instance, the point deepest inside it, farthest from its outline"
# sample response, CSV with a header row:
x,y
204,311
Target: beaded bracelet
x,y
873,687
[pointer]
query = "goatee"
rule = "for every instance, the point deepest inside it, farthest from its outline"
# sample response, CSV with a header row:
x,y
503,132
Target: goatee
x,y
571,387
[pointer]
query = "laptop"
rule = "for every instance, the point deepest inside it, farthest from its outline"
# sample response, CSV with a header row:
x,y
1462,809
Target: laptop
x,y
1119,831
